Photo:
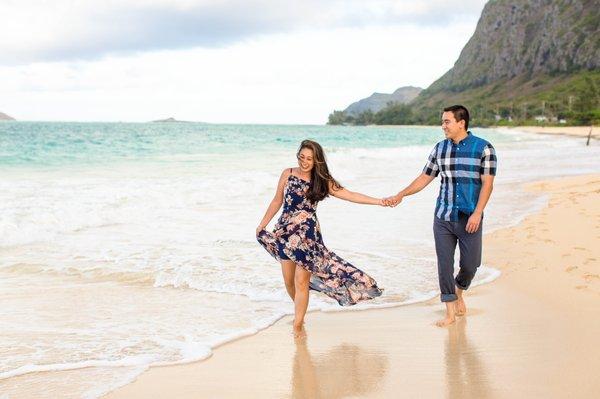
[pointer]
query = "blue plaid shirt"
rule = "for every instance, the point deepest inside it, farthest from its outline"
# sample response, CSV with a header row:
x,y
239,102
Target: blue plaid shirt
x,y
461,166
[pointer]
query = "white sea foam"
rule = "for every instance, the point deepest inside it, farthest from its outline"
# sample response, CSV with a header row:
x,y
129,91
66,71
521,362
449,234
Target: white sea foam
x,y
35,368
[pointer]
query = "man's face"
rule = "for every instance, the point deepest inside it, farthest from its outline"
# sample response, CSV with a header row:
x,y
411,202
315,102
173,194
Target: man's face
x,y
450,126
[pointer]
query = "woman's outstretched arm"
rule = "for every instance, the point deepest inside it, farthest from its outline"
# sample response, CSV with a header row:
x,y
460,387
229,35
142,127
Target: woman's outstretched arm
x,y
276,202
351,196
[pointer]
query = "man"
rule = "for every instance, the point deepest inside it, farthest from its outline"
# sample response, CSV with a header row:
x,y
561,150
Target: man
x,y
467,165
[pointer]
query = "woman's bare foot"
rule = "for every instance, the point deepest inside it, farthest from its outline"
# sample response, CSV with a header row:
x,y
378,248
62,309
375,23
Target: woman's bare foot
x,y
299,331
445,321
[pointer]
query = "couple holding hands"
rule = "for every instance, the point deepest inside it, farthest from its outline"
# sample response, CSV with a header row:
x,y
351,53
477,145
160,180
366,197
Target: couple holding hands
x,y
467,165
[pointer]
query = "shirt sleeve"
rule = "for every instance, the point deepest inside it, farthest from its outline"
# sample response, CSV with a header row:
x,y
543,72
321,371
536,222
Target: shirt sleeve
x,y
488,161
431,167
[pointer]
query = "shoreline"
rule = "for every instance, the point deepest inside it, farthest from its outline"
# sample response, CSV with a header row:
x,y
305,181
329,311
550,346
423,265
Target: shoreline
x,y
274,343
571,131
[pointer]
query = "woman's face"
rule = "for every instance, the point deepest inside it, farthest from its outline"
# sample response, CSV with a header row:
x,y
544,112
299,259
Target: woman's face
x,y
306,160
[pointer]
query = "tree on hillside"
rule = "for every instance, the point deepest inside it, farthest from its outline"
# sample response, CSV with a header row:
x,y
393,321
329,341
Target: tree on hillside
x,y
365,118
337,118
394,114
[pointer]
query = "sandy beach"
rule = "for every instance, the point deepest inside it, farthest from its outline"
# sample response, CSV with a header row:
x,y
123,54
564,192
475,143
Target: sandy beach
x,y
576,131
531,333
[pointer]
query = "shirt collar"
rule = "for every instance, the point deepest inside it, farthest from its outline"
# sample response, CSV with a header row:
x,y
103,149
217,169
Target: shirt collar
x,y
465,140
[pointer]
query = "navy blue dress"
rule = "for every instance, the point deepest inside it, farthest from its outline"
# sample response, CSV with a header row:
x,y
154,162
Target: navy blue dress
x,y
297,237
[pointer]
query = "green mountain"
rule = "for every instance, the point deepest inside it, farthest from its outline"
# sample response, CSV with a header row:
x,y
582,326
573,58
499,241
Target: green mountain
x,y
528,60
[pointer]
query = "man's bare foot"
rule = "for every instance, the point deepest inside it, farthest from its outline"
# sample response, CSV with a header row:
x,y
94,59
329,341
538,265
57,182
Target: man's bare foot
x,y
459,304
445,321
450,315
461,308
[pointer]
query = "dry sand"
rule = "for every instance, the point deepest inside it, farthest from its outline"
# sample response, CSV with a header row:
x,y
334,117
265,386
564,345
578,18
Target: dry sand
x,y
533,333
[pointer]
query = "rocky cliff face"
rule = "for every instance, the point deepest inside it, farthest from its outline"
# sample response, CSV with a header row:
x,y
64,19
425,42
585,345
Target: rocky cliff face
x,y
527,58
526,37
378,101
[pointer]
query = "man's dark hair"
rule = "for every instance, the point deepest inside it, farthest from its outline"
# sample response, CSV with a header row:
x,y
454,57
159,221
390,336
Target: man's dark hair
x,y
461,113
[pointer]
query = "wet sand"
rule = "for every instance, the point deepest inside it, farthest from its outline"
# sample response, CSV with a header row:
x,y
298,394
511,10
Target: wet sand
x,y
531,333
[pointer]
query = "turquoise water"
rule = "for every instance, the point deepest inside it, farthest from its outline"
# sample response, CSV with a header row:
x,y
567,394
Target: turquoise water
x,y
54,144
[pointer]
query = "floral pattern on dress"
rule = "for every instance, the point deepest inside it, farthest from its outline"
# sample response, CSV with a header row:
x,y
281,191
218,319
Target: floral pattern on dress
x,y
297,237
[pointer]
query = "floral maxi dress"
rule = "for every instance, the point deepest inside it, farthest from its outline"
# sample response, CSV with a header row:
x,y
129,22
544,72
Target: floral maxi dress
x,y
297,237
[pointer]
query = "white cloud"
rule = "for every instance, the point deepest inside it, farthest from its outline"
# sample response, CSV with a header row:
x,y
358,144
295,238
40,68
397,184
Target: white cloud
x,y
33,30
294,77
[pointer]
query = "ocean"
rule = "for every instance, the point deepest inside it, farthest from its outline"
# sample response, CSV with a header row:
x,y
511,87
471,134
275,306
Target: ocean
x,y
126,245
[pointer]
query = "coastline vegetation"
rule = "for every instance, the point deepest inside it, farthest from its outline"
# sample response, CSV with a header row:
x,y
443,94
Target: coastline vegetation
x,y
545,99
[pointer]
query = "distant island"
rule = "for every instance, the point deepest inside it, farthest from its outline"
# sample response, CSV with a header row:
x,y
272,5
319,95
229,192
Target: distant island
x,y
4,117
516,69
168,120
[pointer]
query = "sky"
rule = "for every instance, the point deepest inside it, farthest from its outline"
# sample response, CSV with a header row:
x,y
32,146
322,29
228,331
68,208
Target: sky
x,y
219,61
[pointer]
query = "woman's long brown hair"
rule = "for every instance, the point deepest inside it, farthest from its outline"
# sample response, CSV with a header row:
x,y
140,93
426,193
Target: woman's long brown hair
x,y
320,176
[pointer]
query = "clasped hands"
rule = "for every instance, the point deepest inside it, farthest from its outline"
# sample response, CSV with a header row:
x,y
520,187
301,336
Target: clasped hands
x,y
391,201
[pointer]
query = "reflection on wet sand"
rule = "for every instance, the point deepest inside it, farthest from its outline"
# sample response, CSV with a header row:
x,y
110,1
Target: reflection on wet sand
x,y
343,371
465,372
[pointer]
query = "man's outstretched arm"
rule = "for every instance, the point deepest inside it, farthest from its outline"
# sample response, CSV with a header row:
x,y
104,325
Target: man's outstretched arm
x,y
417,185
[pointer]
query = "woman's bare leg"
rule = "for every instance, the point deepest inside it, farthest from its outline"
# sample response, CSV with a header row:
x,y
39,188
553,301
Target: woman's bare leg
x,y
301,283
288,269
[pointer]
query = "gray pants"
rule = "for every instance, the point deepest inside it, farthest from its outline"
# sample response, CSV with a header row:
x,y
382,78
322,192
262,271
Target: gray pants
x,y
446,235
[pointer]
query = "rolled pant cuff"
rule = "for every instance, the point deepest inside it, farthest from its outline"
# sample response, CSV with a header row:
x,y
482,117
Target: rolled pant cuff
x,y
461,286
448,297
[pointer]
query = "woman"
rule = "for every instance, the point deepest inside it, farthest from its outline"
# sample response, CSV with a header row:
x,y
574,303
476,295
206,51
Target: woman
x,y
296,241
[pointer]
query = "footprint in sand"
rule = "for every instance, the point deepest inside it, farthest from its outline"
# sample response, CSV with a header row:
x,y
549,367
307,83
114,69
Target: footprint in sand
x,y
580,248
589,260
589,277
570,268
565,255
581,287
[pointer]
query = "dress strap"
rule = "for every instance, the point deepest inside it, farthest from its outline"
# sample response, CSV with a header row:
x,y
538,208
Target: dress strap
x,y
290,170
